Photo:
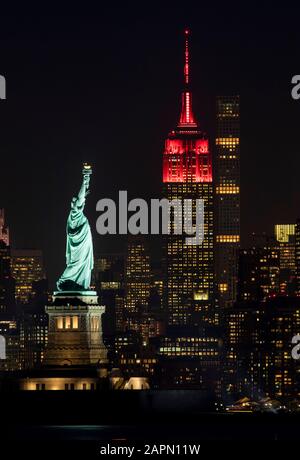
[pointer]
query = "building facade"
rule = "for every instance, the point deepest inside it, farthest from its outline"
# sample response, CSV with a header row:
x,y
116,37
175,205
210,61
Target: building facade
x,y
187,175
258,359
297,255
27,267
259,271
7,282
227,197
75,331
4,230
285,237
137,275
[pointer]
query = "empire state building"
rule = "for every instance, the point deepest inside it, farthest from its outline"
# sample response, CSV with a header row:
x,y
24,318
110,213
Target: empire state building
x,y
187,174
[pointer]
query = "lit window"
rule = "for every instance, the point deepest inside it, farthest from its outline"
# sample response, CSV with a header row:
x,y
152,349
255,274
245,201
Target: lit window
x,y
59,322
75,322
68,322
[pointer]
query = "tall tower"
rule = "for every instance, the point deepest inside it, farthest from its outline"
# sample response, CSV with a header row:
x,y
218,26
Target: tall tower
x,y
7,282
137,274
297,255
4,231
187,174
27,267
285,238
227,197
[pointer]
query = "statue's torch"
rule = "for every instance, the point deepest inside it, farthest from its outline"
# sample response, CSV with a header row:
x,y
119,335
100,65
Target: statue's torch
x,y
86,172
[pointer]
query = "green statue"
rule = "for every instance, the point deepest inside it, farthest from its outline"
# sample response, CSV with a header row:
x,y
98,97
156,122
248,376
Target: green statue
x,y
79,250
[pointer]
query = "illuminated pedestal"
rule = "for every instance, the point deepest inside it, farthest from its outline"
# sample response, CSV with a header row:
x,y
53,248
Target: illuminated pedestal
x,y
75,330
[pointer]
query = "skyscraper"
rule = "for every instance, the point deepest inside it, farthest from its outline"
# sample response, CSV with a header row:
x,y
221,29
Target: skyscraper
x,y
7,283
33,336
27,267
187,174
285,237
282,322
4,231
297,255
242,370
227,197
258,272
10,331
258,360
109,280
137,275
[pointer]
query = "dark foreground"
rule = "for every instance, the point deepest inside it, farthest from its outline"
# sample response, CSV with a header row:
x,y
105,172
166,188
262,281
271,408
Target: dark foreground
x,y
78,424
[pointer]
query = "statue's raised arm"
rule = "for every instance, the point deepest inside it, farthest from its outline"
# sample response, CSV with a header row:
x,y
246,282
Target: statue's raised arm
x,y
79,201
79,250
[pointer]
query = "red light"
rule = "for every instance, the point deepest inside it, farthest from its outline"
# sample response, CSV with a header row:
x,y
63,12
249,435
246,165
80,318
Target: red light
x,y
187,160
186,156
187,58
187,117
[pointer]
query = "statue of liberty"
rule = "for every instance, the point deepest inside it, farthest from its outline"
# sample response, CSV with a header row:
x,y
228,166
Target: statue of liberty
x,y
79,248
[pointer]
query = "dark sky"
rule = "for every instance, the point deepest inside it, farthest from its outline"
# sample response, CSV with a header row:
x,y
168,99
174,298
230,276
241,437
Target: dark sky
x,y
105,87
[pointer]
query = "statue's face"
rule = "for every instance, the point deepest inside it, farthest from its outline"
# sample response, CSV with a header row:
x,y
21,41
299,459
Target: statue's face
x,y
73,203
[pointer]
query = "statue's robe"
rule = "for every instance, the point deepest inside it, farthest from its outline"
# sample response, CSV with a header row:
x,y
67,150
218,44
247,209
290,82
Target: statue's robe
x,y
79,252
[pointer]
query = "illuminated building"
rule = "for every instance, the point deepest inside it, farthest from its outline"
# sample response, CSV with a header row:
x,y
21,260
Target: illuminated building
x,y
108,269
137,275
118,382
4,230
7,283
131,356
188,359
187,174
147,324
284,234
192,346
258,348
10,331
259,269
75,331
27,267
297,255
140,311
282,322
33,337
189,269
227,197
61,379
142,307
285,237
75,357
243,371
109,281
119,312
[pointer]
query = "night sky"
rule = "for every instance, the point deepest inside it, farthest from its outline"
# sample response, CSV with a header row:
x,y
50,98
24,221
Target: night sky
x,y
105,87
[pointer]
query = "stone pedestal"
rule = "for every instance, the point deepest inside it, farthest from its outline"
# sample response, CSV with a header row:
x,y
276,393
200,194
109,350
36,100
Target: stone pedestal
x,y
75,330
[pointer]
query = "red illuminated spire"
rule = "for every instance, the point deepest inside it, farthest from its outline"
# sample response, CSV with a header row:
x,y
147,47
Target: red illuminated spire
x,y
187,58
187,118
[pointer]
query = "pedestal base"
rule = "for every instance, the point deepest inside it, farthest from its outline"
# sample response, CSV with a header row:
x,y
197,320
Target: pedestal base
x,y
75,330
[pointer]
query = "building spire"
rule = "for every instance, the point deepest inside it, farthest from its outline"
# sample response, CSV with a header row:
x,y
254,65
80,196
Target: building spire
x,y
187,118
187,58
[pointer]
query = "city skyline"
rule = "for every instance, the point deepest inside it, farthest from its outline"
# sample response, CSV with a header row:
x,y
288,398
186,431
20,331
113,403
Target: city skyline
x,y
149,94
149,228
